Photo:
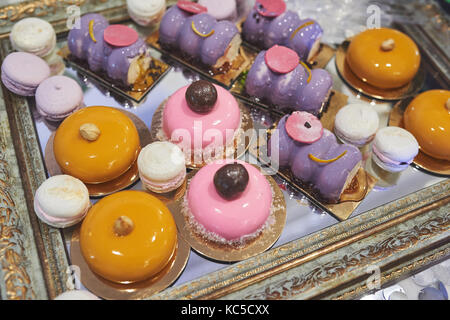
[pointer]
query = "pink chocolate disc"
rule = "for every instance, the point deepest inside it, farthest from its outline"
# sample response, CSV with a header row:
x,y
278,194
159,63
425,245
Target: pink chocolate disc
x,y
270,8
119,35
304,127
281,59
191,7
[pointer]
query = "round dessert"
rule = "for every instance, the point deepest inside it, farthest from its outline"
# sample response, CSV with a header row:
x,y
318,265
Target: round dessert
x,y
427,117
96,144
76,295
394,149
57,97
33,35
385,58
146,12
201,116
23,72
61,201
128,237
229,200
220,9
356,124
162,167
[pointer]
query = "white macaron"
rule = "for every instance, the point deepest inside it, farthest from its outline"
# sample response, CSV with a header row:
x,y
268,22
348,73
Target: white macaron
x,y
162,166
61,201
33,35
356,124
77,295
394,149
146,12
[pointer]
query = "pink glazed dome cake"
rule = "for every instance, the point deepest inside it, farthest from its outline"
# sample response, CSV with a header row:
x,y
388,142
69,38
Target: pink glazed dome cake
x,y
203,119
229,202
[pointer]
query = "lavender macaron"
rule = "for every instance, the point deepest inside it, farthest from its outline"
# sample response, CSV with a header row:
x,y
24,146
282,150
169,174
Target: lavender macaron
x,y
23,72
58,97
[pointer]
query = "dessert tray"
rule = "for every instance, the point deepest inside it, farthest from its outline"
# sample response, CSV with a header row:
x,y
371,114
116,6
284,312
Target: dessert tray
x,y
315,251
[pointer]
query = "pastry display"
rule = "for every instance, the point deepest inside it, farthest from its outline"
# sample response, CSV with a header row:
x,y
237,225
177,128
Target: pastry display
x,y
115,49
76,295
162,167
394,149
57,97
220,9
229,201
278,77
314,156
269,23
202,119
23,72
384,58
356,124
146,12
128,236
96,144
61,201
198,36
427,117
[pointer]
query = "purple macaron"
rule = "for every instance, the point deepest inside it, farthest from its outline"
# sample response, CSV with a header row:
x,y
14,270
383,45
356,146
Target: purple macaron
x,y
23,72
58,97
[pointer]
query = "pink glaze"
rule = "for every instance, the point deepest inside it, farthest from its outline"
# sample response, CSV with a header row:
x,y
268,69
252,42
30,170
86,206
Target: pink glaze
x,y
201,129
229,219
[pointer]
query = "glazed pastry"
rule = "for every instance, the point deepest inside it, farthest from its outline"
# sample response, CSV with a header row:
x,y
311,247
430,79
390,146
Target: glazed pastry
x,y
33,35
314,156
277,77
220,9
269,23
356,124
394,149
427,117
162,167
104,144
385,58
58,97
23,72
199,36
229,201
61,201
103,48
146,12
128,236
198,132
76,295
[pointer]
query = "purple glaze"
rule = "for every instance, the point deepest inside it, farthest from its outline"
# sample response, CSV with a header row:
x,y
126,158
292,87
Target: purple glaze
x,y
176,32
289,90
328,178
78,39
119,59
314,93
264,32
304,39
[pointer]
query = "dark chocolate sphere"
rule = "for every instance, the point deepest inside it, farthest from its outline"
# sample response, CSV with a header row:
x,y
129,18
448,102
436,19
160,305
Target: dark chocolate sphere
x,y
231,180
201,96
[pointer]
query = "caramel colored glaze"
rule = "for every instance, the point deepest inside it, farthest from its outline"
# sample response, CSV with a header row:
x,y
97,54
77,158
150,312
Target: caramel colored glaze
x,y
134,257
428,119
383,69
104,159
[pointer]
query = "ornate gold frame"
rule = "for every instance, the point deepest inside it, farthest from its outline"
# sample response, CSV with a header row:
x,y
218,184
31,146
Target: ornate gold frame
x,y
400,237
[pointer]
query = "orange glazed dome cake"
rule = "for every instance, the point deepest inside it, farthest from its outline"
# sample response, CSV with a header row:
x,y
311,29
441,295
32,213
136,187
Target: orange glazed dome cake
x,y
96,144
384,58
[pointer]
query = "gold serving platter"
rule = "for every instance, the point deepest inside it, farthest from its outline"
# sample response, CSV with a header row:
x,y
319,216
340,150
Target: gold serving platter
x,y
228,252
114,291
102,189
422,160
223,77
359,85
